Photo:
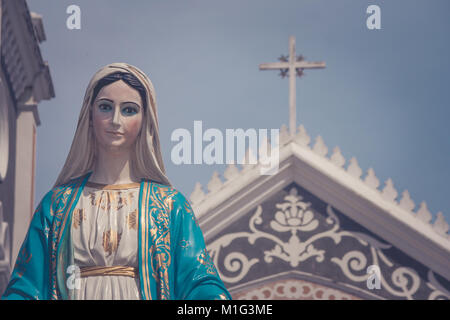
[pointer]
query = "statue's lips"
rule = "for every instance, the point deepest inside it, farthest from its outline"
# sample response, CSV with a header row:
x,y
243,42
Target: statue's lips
x,y
115,133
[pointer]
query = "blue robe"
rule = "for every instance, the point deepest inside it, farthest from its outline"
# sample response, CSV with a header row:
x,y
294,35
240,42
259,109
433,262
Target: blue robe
x,y
173,260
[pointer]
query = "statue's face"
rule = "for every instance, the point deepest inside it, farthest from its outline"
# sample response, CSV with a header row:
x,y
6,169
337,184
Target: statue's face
x,y
117,116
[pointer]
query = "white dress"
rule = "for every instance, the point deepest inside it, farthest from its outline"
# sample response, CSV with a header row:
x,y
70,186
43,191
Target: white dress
x,y
105,233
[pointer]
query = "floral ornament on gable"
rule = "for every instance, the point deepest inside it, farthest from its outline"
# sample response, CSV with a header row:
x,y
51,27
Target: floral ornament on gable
x,y
294,216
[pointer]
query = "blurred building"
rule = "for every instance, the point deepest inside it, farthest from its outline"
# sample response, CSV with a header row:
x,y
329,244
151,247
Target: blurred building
x,y
318,229
24,81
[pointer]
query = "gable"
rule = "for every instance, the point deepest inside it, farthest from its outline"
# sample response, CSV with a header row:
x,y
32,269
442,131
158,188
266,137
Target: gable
x,y
377,222
294,234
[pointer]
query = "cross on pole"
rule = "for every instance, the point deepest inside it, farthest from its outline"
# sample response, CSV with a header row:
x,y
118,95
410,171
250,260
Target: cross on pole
x,y
294,65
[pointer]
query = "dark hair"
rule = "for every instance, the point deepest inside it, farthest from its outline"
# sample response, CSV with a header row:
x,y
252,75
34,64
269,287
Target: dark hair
x,y
128,78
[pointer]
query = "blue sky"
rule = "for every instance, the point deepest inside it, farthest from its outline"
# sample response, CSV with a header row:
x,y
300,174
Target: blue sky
x,y
383,97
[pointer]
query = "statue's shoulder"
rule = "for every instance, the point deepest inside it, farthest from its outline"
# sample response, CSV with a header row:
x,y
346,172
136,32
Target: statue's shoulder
x,y
64,190
163,189
169,195
57,198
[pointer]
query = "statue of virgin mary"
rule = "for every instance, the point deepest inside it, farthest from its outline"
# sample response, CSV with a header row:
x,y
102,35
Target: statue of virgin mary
x,y
112,226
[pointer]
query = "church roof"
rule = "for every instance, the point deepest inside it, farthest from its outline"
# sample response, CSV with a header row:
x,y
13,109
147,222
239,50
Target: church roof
x,y
379,209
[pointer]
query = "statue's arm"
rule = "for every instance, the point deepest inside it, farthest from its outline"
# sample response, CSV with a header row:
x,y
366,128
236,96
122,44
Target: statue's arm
x,y
196,276
30,276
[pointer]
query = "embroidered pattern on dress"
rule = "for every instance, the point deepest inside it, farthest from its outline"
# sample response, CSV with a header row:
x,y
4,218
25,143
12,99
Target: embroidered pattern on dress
x,y
185,244
157,206
190,212
132,221
111,241
22,260
110,199
59,208
205,259
221,297
78,217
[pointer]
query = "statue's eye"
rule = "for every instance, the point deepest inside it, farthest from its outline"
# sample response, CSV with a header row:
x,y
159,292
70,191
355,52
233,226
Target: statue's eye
x,y
129,111
104,107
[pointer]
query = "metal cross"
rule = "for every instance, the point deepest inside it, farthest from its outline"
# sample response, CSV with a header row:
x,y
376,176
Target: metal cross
x,y
294,65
